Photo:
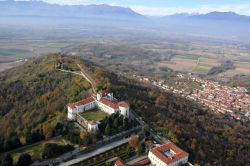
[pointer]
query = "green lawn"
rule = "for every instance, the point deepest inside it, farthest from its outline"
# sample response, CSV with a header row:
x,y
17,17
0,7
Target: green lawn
x,y
95,115
36,150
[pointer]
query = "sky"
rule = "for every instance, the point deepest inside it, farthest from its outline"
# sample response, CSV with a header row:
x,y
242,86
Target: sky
x,y
168,7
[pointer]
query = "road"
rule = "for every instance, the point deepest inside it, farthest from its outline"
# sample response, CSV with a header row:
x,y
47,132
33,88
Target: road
x,y
96,152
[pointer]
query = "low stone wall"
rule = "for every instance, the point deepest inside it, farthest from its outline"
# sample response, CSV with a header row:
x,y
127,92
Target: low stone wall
x,y
82,121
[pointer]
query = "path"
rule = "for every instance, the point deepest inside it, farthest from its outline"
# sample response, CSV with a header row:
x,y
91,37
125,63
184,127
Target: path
x,y
197,63
95,152
68,71
85,75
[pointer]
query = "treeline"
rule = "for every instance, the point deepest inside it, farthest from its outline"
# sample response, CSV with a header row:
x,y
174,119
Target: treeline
x,y
211,139
227,65
16,140
115,123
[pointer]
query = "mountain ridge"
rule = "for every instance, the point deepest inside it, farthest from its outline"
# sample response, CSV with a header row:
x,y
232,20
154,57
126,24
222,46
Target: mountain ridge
x,y
40,8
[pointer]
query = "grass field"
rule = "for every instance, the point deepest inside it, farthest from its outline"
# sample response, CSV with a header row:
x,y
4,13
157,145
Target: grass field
x,y
95,115
36,150
199,69
240,68
17,53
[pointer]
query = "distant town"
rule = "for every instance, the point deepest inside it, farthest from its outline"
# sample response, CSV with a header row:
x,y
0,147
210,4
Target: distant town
x,y
232,101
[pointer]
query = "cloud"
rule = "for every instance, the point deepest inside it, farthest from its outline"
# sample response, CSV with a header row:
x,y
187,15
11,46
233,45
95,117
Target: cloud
x,y
161,11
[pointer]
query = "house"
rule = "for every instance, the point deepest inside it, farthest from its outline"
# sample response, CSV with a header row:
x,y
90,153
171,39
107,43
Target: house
x,y
167,155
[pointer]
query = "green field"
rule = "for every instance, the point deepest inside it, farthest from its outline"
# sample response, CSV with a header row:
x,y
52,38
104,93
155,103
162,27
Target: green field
x,y
14,53
201,69
95,115
188,56
36,150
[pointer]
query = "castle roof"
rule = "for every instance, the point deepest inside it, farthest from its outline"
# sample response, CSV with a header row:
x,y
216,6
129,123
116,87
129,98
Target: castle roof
x,y
81,102
163,152
123,104
120,163
109,103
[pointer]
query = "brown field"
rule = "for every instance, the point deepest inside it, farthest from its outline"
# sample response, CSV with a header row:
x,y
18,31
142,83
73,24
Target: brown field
x,y
241,68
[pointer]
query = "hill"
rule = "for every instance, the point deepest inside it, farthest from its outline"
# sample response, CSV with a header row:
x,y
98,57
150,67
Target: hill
x,y
36,93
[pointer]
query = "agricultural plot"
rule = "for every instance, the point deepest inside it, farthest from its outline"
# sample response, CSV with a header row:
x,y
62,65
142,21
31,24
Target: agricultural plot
x,y
240,68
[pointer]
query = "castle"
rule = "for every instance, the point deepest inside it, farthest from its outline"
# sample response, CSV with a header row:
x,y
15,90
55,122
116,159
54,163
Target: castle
x,y
103,101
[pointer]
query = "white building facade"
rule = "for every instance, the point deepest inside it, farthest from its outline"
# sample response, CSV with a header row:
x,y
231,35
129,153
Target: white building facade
x,y
105,103
167,155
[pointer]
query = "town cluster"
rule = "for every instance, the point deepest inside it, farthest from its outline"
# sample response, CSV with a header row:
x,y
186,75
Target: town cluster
x,y
233,101
224,99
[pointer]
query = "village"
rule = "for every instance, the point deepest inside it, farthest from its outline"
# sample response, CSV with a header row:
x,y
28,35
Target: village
x,y
232,101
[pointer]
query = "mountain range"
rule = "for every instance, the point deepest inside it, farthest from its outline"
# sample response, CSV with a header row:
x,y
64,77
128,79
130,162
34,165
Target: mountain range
x,y
40,8
226,25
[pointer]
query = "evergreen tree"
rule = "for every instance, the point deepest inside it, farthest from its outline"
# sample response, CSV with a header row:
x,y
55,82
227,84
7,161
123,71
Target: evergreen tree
x,y
24,160
7,160
107,129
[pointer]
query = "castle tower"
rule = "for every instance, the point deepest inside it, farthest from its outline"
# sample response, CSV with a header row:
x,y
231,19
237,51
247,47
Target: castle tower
x,y
124,108
98,96
92,127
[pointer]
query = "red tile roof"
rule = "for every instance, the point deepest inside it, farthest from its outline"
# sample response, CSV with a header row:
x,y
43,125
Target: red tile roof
x,y
142,162
81,102
123,104
120,163
159,152
109,103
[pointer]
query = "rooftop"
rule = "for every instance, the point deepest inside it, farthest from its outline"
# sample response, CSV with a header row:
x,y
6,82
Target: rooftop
x,y
169,153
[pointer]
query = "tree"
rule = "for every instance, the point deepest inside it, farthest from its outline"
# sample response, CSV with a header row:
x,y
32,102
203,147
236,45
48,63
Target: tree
x,y
133,141
141,148
82,135
7,160
22,140
24,160
128,151
116,123
47,131
107,129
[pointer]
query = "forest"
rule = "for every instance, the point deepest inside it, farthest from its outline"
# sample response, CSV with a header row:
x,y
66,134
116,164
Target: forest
x,y
210,139
33,101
